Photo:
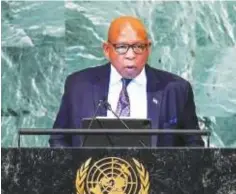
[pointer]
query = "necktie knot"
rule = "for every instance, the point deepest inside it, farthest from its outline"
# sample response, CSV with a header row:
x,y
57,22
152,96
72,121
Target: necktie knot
x,y
125,82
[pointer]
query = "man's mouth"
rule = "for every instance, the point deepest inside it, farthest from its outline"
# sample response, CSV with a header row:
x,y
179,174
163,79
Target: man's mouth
x,y
130,67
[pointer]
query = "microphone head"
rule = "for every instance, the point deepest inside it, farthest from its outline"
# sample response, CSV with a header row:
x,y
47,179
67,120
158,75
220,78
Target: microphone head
x,y
106,104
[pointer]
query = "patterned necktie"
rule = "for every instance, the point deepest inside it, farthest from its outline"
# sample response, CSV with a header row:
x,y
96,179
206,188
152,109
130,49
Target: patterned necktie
x,y
123,105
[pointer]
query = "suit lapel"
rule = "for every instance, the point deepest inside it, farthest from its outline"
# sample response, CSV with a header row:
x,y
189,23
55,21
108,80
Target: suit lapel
x,y
100,88
154,96
154,99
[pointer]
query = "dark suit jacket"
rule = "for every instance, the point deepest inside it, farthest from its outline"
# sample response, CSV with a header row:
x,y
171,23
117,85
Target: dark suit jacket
x,y
173,108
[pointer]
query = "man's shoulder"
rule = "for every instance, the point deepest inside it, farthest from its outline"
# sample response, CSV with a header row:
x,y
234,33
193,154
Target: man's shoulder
x,y
167,78
165,75
87,74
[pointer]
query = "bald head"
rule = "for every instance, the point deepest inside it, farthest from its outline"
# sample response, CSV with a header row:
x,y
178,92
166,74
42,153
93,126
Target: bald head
x,y
128,46
124,25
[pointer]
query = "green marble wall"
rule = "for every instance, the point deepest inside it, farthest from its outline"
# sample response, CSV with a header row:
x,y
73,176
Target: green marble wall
x,y
44,41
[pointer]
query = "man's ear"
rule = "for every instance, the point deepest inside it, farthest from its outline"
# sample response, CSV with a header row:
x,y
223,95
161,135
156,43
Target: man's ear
x,y
105,47
149,46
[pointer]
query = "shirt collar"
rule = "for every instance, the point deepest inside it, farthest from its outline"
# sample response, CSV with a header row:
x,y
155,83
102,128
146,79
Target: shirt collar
x,y
115,77
141,79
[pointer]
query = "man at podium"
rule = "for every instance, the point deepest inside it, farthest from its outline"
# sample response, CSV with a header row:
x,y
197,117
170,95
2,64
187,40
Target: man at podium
x,y
131,87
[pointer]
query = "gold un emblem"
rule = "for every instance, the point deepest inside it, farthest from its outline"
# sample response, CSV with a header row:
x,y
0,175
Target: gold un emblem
x,y
112,175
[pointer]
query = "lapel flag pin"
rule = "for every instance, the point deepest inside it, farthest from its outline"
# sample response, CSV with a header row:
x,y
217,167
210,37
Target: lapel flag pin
x,y
154,100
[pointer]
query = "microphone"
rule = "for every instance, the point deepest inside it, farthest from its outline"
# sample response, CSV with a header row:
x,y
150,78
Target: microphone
x,y
101,102
95,114
108,106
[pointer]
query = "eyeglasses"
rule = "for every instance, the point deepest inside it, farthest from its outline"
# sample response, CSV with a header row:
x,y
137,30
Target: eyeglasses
x,y
122,49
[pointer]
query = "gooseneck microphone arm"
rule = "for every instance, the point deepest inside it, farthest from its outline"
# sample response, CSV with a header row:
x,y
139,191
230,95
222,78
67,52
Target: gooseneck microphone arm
x,y
92,121
108,107
101,103
95,114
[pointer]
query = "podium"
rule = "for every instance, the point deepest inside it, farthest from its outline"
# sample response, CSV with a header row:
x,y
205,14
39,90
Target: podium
x,y
115,170
178,171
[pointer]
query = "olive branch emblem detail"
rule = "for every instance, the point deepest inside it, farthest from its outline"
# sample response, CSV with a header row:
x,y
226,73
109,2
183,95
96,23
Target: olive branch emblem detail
x,y
144,177
81,175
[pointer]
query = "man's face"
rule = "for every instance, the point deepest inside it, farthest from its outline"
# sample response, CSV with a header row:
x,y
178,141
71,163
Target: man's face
x,y
128,52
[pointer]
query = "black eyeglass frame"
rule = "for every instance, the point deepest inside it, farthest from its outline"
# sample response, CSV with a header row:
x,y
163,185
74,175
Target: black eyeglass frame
x,y
145,45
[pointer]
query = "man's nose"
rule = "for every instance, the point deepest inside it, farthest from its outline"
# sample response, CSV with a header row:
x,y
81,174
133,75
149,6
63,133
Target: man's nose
x,y
130,54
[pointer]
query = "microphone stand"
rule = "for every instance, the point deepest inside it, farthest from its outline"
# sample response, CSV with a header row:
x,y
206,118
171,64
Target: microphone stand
x,y
108,106
101,102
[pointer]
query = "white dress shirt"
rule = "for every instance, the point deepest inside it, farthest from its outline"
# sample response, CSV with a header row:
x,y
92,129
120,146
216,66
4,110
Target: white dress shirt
x,y
136,90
